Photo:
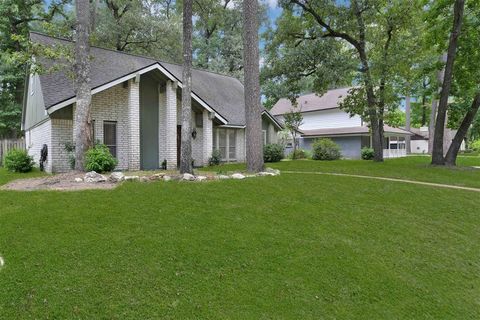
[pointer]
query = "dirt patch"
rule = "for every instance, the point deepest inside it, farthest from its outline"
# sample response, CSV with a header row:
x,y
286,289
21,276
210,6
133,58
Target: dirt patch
x,y
62,182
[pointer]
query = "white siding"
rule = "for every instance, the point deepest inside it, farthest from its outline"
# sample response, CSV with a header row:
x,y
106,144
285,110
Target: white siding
x,y
333,118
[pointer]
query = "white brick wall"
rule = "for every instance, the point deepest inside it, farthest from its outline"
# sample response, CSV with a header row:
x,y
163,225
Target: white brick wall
x,y
171,125
35,138
207,137
62,133
134,125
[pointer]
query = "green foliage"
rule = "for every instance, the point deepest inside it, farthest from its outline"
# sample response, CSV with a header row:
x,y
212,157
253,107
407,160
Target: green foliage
x,y
216,158
70,149
18,161
475,145
299,154
99,159
325,149
272,152
367,153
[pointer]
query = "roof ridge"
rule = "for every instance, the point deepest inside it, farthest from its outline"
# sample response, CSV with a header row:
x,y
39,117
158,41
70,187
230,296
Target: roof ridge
x,y
134,55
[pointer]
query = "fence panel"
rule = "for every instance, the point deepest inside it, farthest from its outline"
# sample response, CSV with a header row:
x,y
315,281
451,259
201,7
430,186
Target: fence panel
x,y
9,144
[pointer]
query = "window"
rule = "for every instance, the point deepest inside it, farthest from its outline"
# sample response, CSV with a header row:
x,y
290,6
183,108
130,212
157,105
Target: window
x,y
225,140
198,119
110,136
264,133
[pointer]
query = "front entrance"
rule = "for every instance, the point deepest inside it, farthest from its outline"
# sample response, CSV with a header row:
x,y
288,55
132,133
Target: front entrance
x,y
148,123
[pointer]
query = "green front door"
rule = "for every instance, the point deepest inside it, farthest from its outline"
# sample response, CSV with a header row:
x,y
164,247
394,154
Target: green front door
x,y
148,123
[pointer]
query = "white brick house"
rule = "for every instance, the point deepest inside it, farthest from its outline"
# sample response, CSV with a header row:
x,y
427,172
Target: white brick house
x,y
136,111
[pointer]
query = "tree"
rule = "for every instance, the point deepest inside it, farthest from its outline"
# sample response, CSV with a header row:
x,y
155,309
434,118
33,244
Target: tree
x,y
437,152
368,37
82,127
293,120
186,147
253,115
17,18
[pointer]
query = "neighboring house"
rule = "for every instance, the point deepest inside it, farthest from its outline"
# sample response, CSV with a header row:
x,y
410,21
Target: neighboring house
x,y
419,141
322,118
136,111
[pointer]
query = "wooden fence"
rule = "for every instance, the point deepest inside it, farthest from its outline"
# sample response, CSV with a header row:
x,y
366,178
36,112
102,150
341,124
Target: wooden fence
x,y
9,144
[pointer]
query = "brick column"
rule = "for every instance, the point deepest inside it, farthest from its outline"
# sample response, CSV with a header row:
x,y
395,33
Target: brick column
x,y
134,125
207,136
171,125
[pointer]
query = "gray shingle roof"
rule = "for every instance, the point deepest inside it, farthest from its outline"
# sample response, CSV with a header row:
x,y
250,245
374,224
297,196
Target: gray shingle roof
x,y
311,102
223,93
351,131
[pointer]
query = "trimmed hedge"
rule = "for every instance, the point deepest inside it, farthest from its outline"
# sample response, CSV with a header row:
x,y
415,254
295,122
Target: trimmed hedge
x,y
18,161
325,149
99,159
272,152
367,153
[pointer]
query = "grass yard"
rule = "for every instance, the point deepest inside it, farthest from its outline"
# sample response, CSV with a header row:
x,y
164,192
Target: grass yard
x,y
286,247
410,168
6,176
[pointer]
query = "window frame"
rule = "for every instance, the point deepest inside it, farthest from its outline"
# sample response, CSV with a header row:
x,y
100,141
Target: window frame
x,y
228,144
109,146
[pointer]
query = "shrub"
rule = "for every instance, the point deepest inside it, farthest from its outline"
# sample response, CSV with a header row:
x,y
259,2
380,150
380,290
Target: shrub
x,y
367,153
325,149
475,145
215,158
272,152
298,154
18,161
99,159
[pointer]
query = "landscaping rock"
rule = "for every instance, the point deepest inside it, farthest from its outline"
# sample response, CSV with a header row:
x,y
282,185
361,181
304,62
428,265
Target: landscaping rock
x,y
275,172
264,173
201,178
222,177
238,176
93,177
116,177
144,179
132,178
188,177
167,178
78,180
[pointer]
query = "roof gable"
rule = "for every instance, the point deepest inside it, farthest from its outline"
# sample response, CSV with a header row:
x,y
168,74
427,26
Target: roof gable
x,y
222,93
312,102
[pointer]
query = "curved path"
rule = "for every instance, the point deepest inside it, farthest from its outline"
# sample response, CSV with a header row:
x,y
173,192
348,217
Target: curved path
x,y
431,184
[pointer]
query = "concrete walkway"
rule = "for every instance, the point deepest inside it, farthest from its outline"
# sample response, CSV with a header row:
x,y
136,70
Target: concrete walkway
x,y
430,184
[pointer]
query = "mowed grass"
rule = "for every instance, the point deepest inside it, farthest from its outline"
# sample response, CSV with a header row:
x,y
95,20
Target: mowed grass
x,y
285,247
7,176
411,168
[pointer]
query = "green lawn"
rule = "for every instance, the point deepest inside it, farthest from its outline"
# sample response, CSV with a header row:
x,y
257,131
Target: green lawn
x,y
286,247
413,168
6,176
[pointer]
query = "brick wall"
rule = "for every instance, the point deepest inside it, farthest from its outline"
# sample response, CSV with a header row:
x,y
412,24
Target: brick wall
x,y
35,138
171,125
62,133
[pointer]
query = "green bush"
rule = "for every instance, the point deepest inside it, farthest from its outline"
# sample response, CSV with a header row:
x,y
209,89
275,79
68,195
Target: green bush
x,y
475,145
18,161
298,154
215,158
99,159
325,149
272,152
367,153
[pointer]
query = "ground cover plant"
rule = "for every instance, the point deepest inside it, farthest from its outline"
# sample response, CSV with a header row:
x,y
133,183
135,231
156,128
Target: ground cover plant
x,y
337,247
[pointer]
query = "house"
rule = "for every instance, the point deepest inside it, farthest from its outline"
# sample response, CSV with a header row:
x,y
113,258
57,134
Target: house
x,y
136,111
420,140
322,118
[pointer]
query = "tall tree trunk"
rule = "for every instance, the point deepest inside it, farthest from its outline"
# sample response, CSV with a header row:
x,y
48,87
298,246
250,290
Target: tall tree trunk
x,y
431,124
82,130
451,157
437,152
253,113
186,148
408,123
